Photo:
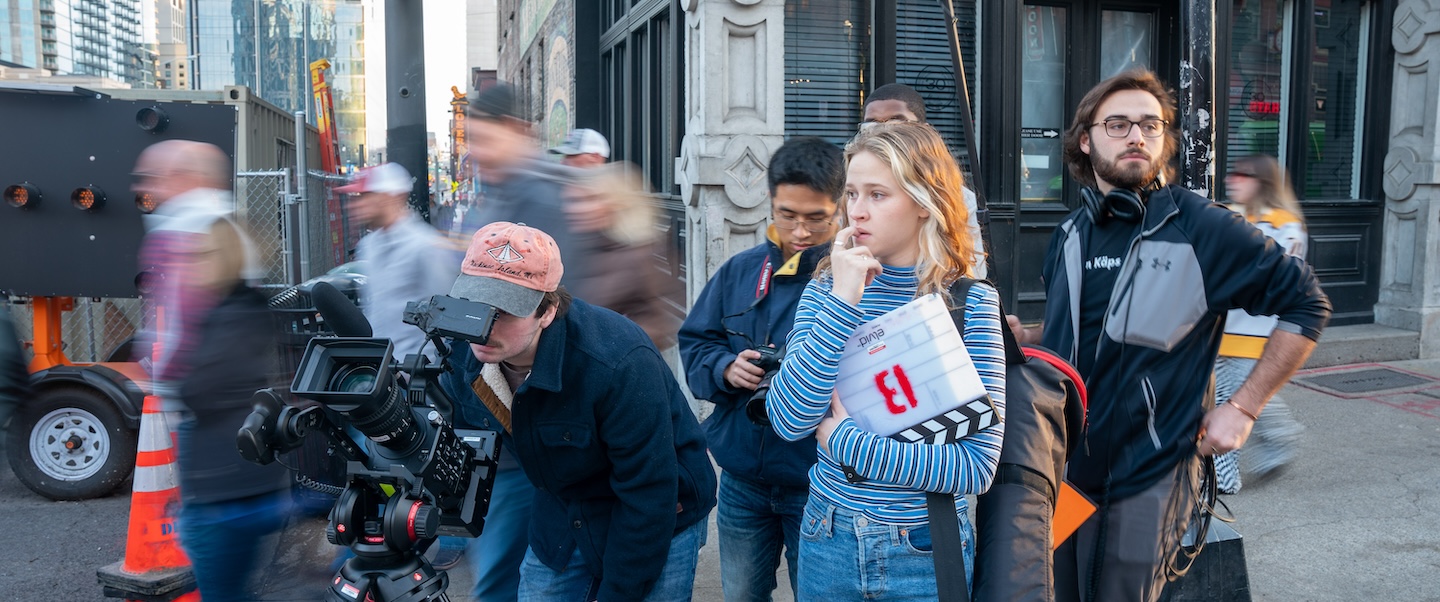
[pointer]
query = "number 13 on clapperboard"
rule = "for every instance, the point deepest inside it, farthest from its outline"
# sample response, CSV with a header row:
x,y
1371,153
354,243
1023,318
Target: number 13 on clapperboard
x,y
908,376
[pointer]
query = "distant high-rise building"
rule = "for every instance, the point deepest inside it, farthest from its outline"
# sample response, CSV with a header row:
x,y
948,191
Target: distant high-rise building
x,y
172,70
347,81
107,41
274,58
19,37
99,38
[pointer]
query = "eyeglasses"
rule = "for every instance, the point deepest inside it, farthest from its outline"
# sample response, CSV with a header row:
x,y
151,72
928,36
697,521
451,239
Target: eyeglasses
x,y
1243,174
1119,127
785,222
865,125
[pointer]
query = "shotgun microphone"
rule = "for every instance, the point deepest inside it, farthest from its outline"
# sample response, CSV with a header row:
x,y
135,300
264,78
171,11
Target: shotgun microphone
x,y
344,318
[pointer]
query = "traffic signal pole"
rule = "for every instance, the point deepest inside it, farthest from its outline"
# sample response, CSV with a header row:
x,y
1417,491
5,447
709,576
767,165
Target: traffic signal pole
x,y
405,95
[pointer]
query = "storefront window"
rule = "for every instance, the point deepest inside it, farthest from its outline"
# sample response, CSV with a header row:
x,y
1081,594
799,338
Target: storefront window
x,y
1331,156
1042,104
824,63
1257,64
923,62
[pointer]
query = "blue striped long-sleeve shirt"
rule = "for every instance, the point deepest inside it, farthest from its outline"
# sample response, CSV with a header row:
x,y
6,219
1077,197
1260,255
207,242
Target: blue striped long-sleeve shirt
x,y
897,473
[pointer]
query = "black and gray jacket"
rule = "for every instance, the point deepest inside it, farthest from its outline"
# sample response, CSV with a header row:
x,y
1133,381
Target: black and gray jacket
x,y
1190,262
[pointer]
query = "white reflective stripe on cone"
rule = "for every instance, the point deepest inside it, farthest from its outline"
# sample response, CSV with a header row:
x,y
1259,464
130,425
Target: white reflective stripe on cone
x,y
149,479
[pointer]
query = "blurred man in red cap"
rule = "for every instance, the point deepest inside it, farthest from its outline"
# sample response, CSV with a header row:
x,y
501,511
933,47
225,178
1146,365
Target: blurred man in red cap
x,y
623,483
405,259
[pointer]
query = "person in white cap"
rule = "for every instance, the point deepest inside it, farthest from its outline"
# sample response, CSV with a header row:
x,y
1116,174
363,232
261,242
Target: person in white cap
x,y
405,259
583,148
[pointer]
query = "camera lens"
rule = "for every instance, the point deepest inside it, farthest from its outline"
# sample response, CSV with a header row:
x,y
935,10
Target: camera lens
x,y
755,408
357,378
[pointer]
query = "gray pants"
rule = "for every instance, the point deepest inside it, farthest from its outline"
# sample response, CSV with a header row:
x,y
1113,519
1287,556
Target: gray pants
x,y
1137,538
1273,439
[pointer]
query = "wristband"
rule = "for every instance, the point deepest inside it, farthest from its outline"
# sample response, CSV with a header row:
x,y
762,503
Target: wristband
x,y
1253,417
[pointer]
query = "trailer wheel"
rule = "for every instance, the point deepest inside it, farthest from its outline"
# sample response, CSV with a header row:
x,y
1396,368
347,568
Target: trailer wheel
x,y
70,443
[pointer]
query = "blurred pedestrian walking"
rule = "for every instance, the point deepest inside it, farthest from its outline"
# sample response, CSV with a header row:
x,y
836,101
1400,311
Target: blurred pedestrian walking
x,y
1259,190
404,259
611,201
217,347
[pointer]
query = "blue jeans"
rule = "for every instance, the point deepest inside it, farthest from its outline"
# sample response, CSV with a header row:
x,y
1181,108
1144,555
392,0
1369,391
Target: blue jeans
x,y
495,556
753,522
540,583
847,556
223,539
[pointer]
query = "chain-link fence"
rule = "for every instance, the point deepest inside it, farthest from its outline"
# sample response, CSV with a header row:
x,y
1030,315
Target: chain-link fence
x,y
333,236
96,330
260,204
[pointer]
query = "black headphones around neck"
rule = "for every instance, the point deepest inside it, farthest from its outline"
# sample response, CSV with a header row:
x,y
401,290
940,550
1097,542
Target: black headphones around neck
x,y
1122,204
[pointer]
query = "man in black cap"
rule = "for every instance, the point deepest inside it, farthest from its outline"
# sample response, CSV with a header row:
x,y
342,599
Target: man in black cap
x,y
520,186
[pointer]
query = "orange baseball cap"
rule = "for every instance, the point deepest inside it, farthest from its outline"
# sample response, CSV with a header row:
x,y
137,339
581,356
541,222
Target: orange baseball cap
x,y
509,267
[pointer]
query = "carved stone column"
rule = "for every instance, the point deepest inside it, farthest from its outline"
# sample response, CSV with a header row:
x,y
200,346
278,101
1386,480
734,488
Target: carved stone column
x,y
735,118
1410,276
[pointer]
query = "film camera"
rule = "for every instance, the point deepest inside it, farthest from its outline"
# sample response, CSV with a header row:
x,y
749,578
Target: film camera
x,y
414,476
769,361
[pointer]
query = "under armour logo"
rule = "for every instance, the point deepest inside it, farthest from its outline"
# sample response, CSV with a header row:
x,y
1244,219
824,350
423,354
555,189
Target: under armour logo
x,y
505,254
1156,265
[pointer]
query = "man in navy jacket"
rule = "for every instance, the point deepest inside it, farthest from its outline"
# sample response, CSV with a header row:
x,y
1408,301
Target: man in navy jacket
x,y
623,485
750,303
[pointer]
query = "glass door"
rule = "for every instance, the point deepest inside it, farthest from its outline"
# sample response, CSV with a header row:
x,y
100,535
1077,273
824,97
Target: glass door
x,y
1065,48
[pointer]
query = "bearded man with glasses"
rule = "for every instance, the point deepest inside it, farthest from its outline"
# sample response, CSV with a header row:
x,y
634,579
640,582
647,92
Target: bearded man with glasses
x,y
1138,282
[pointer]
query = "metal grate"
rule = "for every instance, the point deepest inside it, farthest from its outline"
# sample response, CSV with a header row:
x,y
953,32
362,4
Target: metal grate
x,y
1365,381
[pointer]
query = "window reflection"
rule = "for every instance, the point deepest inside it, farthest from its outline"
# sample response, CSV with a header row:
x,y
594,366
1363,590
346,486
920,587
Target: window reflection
x,y
1339,50
1126,41
1256,74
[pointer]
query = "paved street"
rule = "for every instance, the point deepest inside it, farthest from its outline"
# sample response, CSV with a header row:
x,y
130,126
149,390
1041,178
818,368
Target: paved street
x,y
1355,518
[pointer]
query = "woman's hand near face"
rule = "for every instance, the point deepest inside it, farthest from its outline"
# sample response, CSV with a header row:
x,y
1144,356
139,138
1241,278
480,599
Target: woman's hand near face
x,y
853,268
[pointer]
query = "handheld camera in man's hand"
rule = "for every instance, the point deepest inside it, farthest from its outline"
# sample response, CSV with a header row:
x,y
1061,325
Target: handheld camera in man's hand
x,y
769,361
415,476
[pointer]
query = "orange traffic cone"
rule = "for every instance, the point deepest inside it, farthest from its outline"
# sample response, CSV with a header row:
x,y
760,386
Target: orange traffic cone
x,y
155,569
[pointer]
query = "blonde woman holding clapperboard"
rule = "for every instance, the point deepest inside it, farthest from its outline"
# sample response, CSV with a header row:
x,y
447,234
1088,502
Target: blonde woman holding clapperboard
x,y
905,236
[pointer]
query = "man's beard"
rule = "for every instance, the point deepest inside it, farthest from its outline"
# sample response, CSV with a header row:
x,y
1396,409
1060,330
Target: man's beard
x,y
1133,177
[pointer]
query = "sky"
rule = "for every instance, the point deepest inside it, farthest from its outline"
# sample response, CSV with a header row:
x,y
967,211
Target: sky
x,y
445,47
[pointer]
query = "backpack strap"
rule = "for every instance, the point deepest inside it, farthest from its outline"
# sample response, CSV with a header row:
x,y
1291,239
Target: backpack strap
x,y
959,292
948,551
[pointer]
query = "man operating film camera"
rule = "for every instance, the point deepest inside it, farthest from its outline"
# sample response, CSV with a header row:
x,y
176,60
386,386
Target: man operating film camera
x,y
623,484
414,476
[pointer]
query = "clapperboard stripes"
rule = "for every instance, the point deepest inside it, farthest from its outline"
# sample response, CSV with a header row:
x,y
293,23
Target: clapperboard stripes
x,y
954,425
